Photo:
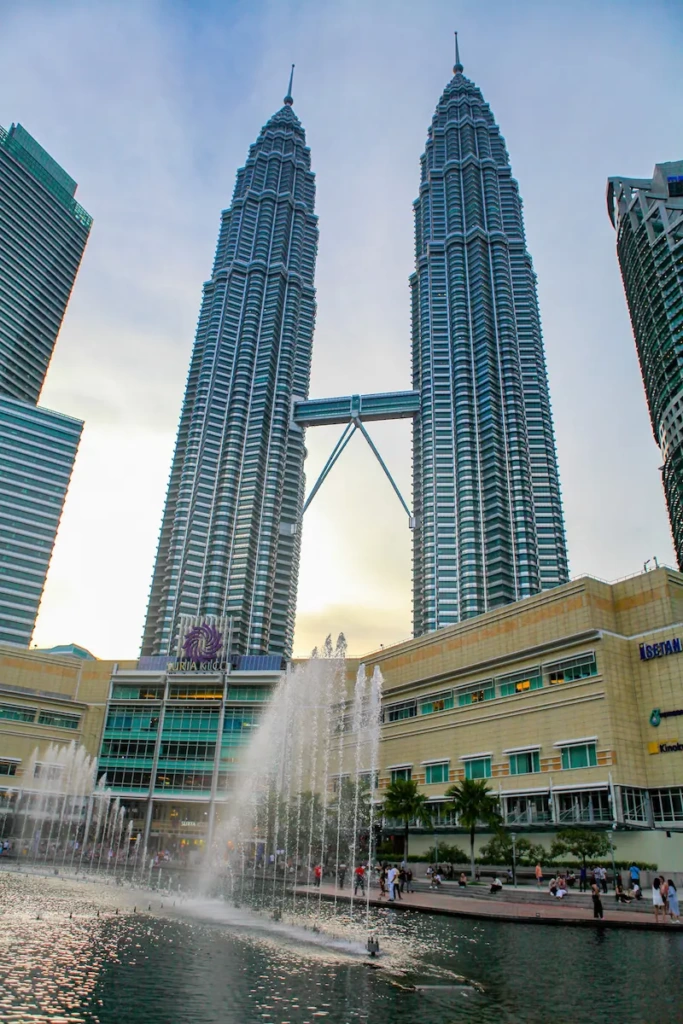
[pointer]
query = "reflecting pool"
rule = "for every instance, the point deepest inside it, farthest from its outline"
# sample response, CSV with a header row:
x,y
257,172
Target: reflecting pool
x,y
200,963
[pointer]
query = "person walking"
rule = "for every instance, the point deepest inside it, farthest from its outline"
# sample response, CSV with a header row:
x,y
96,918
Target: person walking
x,y
583,879
391,879
359,880
634,872
409,880
539,875
674,912
317,875
342,875
657,899
598,911
382,882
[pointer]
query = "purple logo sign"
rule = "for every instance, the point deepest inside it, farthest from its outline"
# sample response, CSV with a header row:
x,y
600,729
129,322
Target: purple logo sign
x,y
202,643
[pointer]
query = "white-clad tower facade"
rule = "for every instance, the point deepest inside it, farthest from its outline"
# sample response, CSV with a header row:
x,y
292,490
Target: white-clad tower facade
x,y
230,536
489,523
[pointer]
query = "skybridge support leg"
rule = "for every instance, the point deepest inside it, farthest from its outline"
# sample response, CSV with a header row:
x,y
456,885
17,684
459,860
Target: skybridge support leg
x,y
390,478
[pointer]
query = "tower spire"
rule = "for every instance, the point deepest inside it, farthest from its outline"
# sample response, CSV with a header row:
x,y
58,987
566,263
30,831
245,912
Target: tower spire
x,y
457,66
288,98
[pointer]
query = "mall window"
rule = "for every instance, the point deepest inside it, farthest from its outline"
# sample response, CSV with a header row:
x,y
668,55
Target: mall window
x,y
61,721
397,712
8,767
132,719
364,779
185,781
584,807
210,691
126,749
128,778
478,768
579,755
581,667
525,762
17,713
520,682
256,693
634,803
239,725
401,774
476,693
437,702
667,805
435,773
123,692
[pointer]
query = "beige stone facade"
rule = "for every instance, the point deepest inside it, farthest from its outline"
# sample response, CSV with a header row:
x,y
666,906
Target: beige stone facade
x,y
48,700
551,700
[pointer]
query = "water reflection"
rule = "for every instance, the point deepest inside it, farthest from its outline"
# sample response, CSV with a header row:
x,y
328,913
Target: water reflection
x,y
62,963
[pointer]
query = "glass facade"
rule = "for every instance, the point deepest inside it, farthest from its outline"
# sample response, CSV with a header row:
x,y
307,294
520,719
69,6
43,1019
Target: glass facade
x,y
37,452
178,738
43,232
489,524
648,217
230,536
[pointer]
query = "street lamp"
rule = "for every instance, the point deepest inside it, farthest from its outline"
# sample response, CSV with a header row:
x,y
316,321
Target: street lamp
x,y
614,867
513,837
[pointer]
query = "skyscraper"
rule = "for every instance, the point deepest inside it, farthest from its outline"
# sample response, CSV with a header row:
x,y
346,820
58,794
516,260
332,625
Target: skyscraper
x,y
648,216
37,453
489,524
43,232
230,536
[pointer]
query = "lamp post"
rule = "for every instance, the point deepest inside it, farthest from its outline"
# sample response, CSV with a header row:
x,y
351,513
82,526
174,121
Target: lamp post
x,y
614,867
513,837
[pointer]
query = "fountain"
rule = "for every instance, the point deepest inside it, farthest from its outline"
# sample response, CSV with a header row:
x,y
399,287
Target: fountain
x,y
299,815
302,809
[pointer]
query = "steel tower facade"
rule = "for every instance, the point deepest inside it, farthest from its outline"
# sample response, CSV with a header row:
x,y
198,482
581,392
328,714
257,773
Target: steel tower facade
x,y
648,216
488,513
230,536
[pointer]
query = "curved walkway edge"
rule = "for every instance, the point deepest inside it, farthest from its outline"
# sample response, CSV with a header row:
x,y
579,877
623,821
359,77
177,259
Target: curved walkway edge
x,y
451,906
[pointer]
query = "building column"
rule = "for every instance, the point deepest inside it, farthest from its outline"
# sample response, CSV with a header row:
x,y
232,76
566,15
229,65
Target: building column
x,y
217,760
155,762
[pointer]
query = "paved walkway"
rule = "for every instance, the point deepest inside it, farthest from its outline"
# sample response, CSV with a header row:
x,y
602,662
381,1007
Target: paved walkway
x,y
557,912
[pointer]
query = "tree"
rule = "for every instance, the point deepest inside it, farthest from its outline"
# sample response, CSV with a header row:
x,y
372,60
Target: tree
x,y
580,843
498,850
472,802
403,801
446,853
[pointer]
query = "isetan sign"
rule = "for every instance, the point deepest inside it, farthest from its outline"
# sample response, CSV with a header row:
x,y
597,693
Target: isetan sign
x,y
648,651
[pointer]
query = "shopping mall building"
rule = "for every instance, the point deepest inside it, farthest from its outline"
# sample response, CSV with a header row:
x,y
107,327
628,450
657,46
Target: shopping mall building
x,y
570,703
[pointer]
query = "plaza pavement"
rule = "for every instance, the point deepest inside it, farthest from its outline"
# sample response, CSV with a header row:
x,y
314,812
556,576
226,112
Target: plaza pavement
x,y
531,907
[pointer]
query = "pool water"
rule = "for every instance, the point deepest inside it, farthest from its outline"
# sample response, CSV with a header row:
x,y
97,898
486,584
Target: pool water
x,y
198,965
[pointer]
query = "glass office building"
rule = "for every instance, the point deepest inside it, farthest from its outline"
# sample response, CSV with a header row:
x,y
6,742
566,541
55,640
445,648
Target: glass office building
x,y
648,216
489,524
230,537
43,232
37,452
171,744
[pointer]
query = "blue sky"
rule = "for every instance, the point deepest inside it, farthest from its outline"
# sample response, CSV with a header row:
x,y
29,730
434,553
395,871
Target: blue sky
x,y
151,106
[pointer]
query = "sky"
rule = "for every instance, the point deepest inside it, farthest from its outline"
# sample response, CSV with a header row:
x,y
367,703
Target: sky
x,y
151,107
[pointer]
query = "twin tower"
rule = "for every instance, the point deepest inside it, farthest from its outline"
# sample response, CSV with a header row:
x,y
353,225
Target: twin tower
x,y
487,515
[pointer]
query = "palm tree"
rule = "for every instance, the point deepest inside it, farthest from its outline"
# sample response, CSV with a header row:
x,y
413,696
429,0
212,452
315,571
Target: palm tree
x,y
472,801
403,801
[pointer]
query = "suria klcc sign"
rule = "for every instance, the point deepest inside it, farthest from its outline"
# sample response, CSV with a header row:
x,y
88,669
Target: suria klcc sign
x,y
201,645
648,651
